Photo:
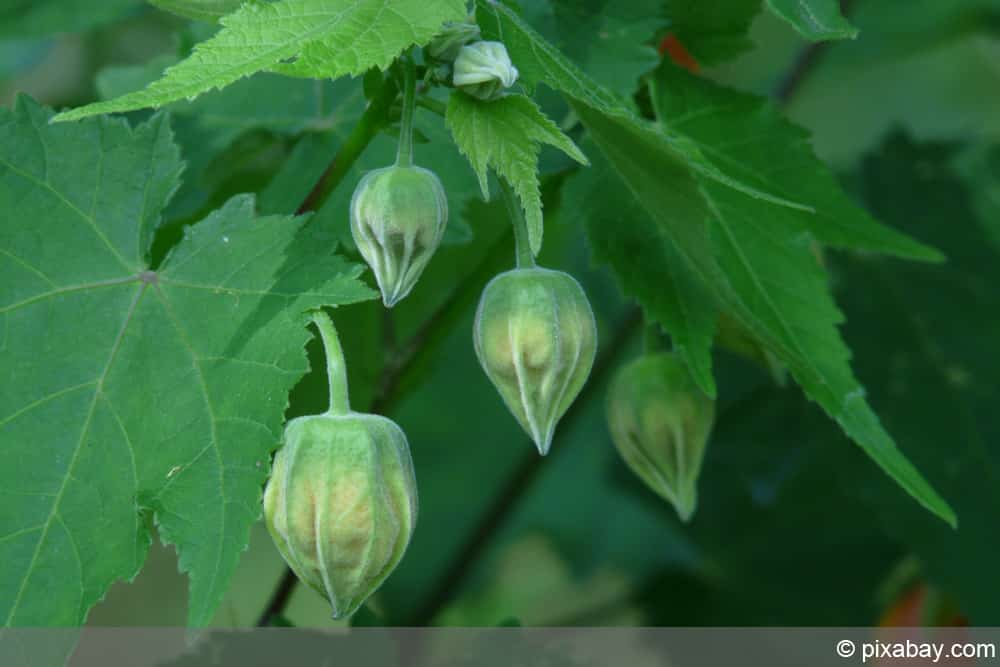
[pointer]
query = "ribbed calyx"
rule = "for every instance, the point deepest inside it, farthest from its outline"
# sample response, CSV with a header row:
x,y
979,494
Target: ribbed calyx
x,y
341,502
398,216
660,422
536,338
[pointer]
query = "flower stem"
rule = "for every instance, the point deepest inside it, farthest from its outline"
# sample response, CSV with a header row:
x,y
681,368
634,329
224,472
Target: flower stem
x,y
525,258
336,369
404,155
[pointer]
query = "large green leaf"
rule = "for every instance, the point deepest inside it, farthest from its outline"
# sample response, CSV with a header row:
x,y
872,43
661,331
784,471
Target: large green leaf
x,y
327,39
645,257
133,391
507,134
925,338
744,136
758,261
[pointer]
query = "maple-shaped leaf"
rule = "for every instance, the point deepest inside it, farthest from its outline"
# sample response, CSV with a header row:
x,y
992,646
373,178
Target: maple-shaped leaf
x,y
132,390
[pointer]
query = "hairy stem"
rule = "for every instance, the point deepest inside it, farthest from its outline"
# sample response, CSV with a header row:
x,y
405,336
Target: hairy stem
x,y
404,154
336,369
525,258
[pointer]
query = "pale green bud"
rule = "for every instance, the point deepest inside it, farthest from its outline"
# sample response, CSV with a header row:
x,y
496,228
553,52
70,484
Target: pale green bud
x,y
341,502
536,338
398,216
454,35
484,70
660,423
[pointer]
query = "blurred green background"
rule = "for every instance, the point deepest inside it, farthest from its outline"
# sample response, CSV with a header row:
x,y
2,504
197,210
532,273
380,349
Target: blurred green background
x,y
794,526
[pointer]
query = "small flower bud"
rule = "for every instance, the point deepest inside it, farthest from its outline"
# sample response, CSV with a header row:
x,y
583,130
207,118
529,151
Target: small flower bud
x,y
660,422
536,338
484,70
454,35
398,216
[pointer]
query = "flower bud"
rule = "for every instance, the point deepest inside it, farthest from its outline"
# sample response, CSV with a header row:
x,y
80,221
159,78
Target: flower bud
x,y
660,422
341,502
536,338
398,216
454,35
484,70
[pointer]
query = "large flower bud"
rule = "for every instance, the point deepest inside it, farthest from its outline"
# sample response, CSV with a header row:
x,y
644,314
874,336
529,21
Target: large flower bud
x,y
660,422
484,70
398,216
536,338
341,502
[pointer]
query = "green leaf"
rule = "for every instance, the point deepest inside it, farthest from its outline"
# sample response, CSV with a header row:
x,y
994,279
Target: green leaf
x,y
24,19
645,258
200,10
540,62
925,339
816,20
713,31
507,134
758,261
328,38
611,41
135,391
744,136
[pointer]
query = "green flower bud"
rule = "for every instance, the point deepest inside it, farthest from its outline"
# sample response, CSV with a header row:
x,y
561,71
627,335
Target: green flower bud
x,y
536,338
398,216
454,35
484,70
660,422
341,502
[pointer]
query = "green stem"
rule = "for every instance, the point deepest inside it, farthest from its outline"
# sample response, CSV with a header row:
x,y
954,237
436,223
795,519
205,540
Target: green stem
x,y
432,105
336,369
368,126
522,242
404,156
